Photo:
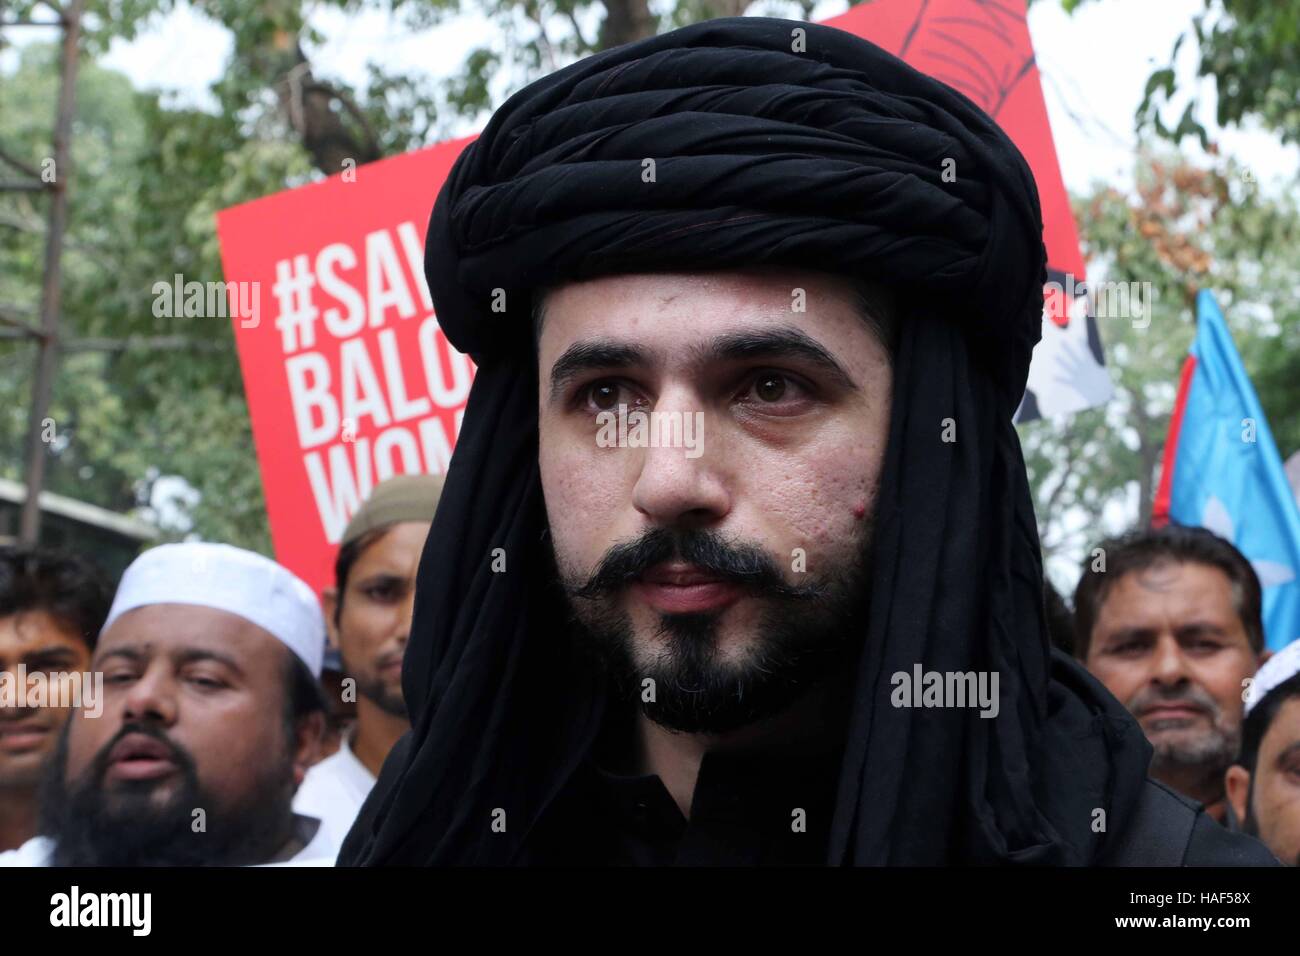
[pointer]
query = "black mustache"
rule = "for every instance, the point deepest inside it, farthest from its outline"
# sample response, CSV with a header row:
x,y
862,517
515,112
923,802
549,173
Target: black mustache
x,y
179,756
744,564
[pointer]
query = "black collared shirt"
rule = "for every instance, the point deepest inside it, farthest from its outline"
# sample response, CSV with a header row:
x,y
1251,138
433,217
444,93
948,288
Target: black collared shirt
x,y
750,810
763,806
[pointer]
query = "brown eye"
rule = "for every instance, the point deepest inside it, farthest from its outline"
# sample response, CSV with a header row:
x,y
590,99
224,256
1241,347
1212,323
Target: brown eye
x,y
770,388
604,395
381,592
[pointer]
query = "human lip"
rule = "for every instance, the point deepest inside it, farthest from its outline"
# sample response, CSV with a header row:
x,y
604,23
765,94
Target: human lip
x,y
22,735
1172,712
684,588
139,757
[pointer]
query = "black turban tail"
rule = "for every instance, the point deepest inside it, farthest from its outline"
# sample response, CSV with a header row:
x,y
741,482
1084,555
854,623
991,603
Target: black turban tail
x,y
833,159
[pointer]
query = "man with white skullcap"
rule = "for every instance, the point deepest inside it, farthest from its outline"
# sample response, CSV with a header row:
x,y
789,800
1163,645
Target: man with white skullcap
x,y
1264,784
211,715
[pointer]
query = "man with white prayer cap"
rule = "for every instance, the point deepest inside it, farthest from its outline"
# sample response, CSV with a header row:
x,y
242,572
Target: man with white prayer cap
x,y
1264,784
211,716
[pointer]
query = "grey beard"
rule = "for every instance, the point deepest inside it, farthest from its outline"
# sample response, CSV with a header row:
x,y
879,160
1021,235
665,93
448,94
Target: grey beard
x,y
1214,752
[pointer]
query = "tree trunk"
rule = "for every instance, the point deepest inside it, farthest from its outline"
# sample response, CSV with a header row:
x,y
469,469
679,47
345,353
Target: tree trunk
x,y
313,110
625,21
309,107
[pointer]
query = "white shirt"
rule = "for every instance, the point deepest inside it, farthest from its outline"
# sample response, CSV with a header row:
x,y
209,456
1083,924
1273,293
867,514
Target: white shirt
x,y
318,850
333,792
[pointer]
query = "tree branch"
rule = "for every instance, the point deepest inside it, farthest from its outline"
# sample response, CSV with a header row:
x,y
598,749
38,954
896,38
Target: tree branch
x,y
148,343
24,330
577,30
306,103
21,166
1050,506
351,106
534,12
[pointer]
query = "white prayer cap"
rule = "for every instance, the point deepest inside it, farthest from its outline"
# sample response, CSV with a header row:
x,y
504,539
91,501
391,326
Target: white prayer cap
x,y
1278,669
228,579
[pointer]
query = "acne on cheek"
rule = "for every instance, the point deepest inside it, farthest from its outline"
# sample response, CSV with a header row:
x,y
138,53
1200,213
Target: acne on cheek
x,y
823,510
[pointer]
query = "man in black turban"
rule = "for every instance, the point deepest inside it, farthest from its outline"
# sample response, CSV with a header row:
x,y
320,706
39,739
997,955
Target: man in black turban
x,y
736,561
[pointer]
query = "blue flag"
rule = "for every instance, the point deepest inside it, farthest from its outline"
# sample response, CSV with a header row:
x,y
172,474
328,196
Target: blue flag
x,y
1222,471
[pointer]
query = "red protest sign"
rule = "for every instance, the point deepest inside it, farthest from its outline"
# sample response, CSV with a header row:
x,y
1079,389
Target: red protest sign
x,y
348,377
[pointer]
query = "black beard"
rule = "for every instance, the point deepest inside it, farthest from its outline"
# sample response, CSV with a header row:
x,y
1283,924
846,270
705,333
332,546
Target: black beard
x,y
806,634
91,828
390,702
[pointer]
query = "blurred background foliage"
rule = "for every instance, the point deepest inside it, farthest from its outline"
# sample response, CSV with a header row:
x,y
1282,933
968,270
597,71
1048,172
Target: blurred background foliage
x,y
1182,228
150,412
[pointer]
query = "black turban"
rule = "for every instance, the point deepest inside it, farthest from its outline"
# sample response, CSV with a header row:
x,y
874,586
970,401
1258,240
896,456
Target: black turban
x,y
832,155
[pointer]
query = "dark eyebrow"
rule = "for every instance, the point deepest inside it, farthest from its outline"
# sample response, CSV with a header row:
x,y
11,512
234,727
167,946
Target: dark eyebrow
x,y
200,654
584,356
135,655
1288,751
775,343
385,578
1199,629
58,652
734,346
1130,634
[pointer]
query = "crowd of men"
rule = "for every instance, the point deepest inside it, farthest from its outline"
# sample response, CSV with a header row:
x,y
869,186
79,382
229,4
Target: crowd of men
x,y
213,738
204,719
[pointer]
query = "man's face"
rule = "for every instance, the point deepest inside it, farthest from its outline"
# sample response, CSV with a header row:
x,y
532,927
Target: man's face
x,y
193,720
724,571
375,621
1169,643
40,643
1273,812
